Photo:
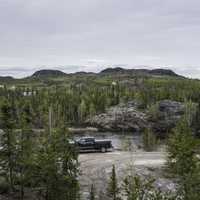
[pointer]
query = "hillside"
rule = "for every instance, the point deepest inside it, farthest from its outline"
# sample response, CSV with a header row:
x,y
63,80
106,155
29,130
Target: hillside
x,y
136,109
135,72
47,73
6,78
49,77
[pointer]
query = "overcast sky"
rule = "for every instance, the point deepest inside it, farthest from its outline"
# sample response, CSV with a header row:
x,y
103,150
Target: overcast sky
x,y
74,35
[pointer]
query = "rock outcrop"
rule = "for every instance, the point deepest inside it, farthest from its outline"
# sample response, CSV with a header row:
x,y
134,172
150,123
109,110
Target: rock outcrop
x,y
169,113
128,117
123,117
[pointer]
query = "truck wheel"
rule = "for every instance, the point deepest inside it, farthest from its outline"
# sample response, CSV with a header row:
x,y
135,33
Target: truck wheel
x,y
103,149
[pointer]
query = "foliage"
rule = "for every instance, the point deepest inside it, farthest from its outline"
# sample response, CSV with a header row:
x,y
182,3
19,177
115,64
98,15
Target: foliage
x,y
190,111
47,163
181,150
153,112
149,140
113,189
137,188
56,168
183,161
76,98
8,144
196,121
24,161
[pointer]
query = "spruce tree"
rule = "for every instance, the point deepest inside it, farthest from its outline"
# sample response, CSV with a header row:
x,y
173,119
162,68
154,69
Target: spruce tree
x,y
113,189
149,140
25,150
82,111
92,110
92,193
183,162
57,167
181,150
196,122
8,144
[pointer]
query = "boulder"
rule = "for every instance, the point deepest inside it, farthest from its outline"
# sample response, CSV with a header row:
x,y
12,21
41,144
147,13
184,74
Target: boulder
x,y
171,108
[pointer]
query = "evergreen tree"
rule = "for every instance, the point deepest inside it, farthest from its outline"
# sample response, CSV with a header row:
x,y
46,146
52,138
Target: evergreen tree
x,y
25,150
183,162
137,189
149,140
196,121
92,110
113,189
57,167
8,144
190,111
92,193
82,111
181,150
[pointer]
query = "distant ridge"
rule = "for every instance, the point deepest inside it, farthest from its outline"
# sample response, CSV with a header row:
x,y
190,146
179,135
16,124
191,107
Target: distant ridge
x,y
6,78
51,73
108,71
156,72
113,70
47,73
163,72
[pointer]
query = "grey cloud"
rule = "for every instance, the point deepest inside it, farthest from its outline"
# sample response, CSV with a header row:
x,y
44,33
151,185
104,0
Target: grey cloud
x,y
73,33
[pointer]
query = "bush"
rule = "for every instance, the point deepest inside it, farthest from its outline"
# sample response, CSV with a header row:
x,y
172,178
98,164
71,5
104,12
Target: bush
x,y
149,140
4,186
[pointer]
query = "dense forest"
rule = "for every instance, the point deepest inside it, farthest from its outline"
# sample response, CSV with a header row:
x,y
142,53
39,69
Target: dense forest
x,y
37,160
74,98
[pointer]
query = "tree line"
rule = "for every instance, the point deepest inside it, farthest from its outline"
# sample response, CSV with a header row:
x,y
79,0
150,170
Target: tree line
x,y
45,165
74,103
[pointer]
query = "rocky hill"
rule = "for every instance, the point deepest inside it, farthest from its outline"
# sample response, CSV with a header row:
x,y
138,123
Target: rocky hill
x,y
145,72
112,73
47,73
109,71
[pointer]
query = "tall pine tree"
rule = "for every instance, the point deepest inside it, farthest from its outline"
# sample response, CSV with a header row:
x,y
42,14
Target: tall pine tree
x,y
25,149
57,167
8,144
183,162
113,189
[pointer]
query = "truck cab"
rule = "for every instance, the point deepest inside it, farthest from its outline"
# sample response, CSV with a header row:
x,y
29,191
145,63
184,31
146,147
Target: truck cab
x,y
86,143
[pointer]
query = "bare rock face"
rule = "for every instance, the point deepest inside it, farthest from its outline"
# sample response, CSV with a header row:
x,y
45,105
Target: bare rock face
x,y
171,108
169,113
127,117
123,117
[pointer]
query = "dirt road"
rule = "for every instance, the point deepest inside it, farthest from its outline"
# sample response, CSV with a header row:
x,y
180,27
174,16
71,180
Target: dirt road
x,y
96,167
102,160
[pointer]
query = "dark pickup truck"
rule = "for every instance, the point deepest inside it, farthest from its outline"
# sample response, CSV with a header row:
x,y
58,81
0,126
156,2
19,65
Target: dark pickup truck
x,y
90,144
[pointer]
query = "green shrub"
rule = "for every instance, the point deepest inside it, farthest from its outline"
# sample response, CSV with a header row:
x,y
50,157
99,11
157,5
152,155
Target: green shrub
x,y
4,186
149,140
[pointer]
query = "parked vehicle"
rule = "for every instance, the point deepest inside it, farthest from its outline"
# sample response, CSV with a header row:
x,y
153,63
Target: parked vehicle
x,y
91,144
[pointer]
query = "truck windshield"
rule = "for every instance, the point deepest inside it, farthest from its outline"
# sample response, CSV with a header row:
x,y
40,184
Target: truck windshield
x,y
89,140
